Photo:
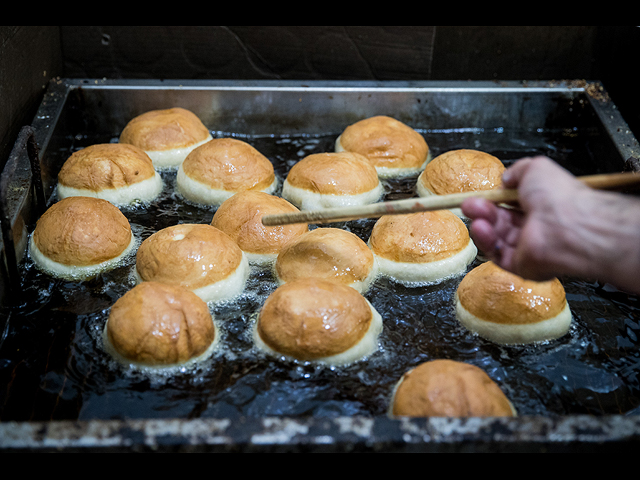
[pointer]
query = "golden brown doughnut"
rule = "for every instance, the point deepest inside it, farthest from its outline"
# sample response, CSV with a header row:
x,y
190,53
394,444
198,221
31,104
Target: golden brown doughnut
x,y
240,217
78,237
167,135
423,247
120,173
222,167
447,388
507,309
392,147
329,253
156,324
198,257
460,171
319,321
326,180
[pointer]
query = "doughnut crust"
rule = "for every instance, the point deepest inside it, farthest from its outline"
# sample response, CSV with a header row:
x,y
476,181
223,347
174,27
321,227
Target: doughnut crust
x,y
155,324
421,247
222,167
195,256
446,388
316,320
85,234
329,253
392,147
459,171
507,309
326,180
119,173
240,217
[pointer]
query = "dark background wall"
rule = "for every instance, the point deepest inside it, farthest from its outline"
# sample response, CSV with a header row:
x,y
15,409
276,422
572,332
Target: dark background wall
x,y
32,55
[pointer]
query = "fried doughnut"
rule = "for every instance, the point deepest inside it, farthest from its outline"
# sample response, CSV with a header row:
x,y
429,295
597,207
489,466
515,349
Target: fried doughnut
x,y
422,248
160,325
198,257
119,173
79,237
447,388
240,217
222,167
166,135
327,180
392,147
507,309
460,171
315,320
329,253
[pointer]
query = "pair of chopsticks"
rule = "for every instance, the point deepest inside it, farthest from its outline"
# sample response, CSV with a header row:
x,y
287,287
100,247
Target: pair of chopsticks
x,y
435,202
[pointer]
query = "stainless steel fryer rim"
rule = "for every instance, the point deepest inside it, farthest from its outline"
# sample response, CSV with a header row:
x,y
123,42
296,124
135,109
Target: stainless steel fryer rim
x,y
578,432
574,433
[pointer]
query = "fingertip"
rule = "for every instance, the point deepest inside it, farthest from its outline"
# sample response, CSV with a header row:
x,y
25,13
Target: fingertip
x,y
511,176
470,207
483,234
476,208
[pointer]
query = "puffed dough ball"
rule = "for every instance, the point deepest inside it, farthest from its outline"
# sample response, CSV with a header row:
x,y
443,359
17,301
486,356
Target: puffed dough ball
x,y
159,325
328,180
119,173
446,388
422,248
222,167
460,171
392,147
329,253
507,309
80,237
314,320
166,135
198,257
240,217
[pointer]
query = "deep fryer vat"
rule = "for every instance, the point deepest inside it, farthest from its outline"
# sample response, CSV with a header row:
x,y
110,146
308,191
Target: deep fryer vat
x,y
61,390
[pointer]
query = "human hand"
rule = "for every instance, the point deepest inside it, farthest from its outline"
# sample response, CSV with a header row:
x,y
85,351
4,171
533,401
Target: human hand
x,y
562,227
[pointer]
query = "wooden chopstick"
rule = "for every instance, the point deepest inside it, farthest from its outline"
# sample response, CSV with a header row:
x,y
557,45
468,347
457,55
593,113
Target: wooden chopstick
x,y
435,202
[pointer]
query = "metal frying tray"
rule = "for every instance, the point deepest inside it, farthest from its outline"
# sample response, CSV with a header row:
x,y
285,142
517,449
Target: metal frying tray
x,y
59,390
